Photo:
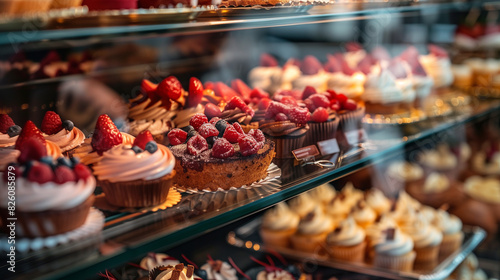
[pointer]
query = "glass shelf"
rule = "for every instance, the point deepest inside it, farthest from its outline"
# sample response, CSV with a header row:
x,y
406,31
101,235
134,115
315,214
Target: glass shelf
x,y
130,235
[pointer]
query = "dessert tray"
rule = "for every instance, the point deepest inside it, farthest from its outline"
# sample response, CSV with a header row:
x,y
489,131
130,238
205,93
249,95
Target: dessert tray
x,y
247,236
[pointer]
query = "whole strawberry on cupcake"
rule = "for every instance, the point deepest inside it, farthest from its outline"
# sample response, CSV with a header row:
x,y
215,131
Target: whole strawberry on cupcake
x,y
63,133
324,121
53,196
219,155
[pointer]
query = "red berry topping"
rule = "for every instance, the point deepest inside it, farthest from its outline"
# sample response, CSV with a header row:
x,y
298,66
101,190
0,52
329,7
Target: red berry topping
x,y
264,103
310,65
248,145
280,117
63,174
209,85
335,105
235,102
275,108
142,139
149,88
82,172
195,92
29,130
32,149
289,100
170,87
238,128
308,91
197,120
207,130
341,97
331,94
212,110
177,136
299,115
40,173
106,135
51,123
258,93
222,90
231,134
332,65
267,60
317,100
438,51
257,135
240,87
350,105
5,123
222,148
319,115
196,145
214,120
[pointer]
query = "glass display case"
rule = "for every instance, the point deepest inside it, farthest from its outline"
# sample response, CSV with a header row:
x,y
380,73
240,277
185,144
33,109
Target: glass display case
x,y
81,64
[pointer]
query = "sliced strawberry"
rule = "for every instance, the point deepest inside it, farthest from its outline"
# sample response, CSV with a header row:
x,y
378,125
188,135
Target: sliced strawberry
x,y
51,123
258,93
142,139
5,123
266,60
438,51
106,135
195,92
240,87
224,91
149,88
235,102
310,65
170,87
212,111
32,149
308,91
29,130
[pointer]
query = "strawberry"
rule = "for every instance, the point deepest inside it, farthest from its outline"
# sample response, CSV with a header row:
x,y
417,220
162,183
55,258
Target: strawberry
x,y
240,87
319,115
209,85
51,123
310,65
142,139
29,130
266,60
211,111
235,102
82,172
346,69
341,97
238,128
365,64
308,91
106,135
149,88
33,149
258,93
170,87
40,173
224,91
438,51
350,105
5,123
335,105
264,103
195,92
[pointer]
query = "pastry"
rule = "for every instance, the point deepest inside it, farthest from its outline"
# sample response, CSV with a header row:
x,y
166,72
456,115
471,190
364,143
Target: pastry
x,y
267,76
278,225
312,231
312,75
63,133
486,161
393,250
438,66
485,189
343,79
217,269
376,200
347,242
236,110
451,227
323,122
382,95
426,238
462,76
177,272
302,204
422,83
338,208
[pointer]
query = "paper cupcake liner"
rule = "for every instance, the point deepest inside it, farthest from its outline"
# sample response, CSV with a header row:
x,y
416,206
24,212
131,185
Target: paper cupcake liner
x,y
308,243
354,253
274,238
138,193
351,120
399,263
50,222
173,198
285,146
450,243
321,131
427,254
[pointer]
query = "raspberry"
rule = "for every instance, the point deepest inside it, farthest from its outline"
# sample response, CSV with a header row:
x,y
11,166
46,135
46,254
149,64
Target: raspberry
x,y
341,97
222,149
177,136
332,65
257,135
238,128
32,149
289,100
235,102
211,110
266,60
82,172
51,123
249,111
264,103
258,93
280,117
319,115
207,129
40,173
275,108
318,100
196,145
106,135
197,120
299,115
335,105
170,87
331,94
310,65
310,105
195,92
231,134
214,120
346,69
5,123
248,145
29,130
63,174
350,105
149,88
142,139
308,91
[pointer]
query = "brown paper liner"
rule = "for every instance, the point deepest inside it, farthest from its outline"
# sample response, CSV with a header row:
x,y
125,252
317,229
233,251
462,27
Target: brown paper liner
x,y
308,243
354,253
285,145
138,193
427,254
450,243
275,238
399,263
50,222
321,131
349,120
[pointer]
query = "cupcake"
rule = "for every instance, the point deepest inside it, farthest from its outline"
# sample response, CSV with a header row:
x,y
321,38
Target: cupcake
x,y
363,215
440,160
376,200
486,162
347,242
374,231
267,76
393,250
382,95
312,231
153,260
422,83
323,194
63,133
323,123
177,272
312,75
302,204
403,174
438,66
451,227
426,238
52,196
352,194
462,76
338,208
342,78
217,269
354,54
137,175
278,225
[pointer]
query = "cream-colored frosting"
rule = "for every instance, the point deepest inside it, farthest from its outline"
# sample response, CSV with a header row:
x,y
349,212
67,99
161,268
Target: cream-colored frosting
x,y
226,272
374,231
122,164
290,74
7,141
351,86
185,115
315,222
353,58
7,156
480,164
35,197
440,158
154,260
407,88
324,193
446,222
436,182
352,195
302,204
280,218
427,212
422,85
363,214
167,274
381,88
405,171
348,233
421,231
438,68
339,207
156,127
67,140
461,71
376,199
274,275
399,245
465,152
318,81
483,188
53,149
265,78
88,156
156,111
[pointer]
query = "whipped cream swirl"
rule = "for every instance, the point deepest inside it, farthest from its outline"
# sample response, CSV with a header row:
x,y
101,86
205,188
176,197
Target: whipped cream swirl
x,y
67,140
348,233
183,116
381,88
7,141
447,223
421,231
156,127
280,217
315,222
156,111
438,68
393,242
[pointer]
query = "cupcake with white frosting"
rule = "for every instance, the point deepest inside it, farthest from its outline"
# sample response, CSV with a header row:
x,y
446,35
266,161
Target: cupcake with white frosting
x,y
426,237
451,227
437,65
312,231
278,225
347,241
382,95
267,75
302,204
394,250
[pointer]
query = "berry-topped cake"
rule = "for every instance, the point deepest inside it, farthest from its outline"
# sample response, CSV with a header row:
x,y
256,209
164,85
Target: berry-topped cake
x,y
63,133
219,155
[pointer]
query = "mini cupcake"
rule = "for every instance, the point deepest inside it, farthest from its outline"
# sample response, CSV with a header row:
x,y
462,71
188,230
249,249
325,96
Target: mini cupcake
x,y
177,272
312,231
376,200
338,208
451,227
312,75
375,230
278,225
394,250
426,238
342,78
136,176
323,194
352,194
403,174
363,215
462,76
347,242
302,204
64,134
382,95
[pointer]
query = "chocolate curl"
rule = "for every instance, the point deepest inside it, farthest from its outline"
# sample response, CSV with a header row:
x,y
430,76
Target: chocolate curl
x,y
179,267
238,269
189,261
176,275
190,271
390,233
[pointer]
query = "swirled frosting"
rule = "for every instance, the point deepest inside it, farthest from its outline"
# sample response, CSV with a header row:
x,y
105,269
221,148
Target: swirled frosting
x,y
352,195
284,128
156,127
34,197
374,231
436,182
405,171
339,207
7,156
141,111
350,85
280,218
422,85
438,68
407,88
421,231
7,141
446,222
363,214
483,166
315,222
485,189
122,164
324,193
219,270
184,115
381,88
274,275
67,140
376,199
265,78
427,212
236,115
348,233
318,81
153,260
302,204
392,242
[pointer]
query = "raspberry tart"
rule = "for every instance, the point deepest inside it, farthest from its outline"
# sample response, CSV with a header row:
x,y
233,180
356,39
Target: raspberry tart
x,y
63,133
219,155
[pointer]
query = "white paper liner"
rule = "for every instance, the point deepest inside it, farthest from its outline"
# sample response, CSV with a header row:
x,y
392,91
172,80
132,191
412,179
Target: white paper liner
x,y
271,181
173,198
93,225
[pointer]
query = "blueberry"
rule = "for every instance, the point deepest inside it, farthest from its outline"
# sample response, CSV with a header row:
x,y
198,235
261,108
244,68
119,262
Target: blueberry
x,y
68,125
151,147
75,160
191,134
211,140
14,130
48,160
221,127
27,168
187,128
202,273
64,161
137,150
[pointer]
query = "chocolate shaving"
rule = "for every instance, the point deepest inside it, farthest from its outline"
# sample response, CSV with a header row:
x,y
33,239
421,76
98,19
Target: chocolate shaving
x,y
378,219
176,275
190,271
393,206
310,216
390,233
179,266
337,230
